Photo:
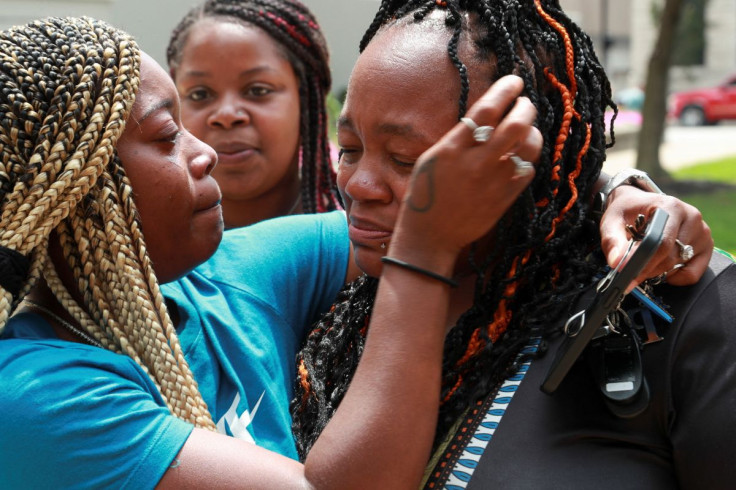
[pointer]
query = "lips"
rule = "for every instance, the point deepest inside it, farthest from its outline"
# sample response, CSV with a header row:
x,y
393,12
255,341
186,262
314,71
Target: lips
x,y
364,232
233,152
211,197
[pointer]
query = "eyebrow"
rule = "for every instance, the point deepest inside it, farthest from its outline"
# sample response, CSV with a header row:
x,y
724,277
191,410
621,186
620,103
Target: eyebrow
x,y
403,130
164,104
202,73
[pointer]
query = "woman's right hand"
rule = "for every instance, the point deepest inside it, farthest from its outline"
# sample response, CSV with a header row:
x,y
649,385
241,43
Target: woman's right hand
x,y
461,187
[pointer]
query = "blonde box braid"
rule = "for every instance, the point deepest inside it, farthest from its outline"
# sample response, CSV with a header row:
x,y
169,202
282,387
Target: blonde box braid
x,y
297,33
68,86
541,246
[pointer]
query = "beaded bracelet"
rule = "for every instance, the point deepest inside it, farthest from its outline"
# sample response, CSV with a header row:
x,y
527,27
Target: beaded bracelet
x,y
412,267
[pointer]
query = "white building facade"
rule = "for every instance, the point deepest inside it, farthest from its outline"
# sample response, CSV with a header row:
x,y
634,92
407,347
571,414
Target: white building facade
x,y
627,24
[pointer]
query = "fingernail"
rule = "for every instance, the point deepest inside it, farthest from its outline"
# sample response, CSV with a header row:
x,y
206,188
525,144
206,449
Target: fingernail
x,y
613,257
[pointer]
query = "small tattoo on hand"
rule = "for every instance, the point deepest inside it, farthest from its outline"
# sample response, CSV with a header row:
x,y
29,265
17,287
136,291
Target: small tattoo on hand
x,y
421,198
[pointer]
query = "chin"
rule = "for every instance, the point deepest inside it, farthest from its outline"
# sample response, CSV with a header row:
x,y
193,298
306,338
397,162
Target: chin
x,y
369,260
207,235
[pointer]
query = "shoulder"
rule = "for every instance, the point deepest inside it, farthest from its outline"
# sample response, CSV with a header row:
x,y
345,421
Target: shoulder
x,y
35,367
41,370
714,294
699,378
96,417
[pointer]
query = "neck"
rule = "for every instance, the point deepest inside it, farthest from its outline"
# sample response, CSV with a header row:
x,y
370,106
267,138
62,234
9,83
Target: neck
x,y
42,300
42,295
281,202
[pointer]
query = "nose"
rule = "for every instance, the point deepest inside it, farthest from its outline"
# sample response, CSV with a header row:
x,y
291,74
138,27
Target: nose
x,y
228,113
364,181
204,158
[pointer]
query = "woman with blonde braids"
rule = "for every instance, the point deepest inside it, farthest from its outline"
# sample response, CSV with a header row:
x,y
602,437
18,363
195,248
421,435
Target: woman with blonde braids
x,y
108,380
422,64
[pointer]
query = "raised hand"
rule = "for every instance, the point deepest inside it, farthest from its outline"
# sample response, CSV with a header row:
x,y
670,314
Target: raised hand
x,y
464,184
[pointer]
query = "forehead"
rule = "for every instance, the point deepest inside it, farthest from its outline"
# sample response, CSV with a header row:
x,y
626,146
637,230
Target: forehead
x,y
216,40
405,73
406,57
155,87
403,76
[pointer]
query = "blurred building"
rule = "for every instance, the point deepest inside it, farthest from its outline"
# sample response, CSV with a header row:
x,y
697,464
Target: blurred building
x,y
624,33
151,22
622,30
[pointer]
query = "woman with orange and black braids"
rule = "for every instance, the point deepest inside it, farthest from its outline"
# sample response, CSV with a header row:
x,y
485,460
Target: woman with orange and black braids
x,y
253,76
518,284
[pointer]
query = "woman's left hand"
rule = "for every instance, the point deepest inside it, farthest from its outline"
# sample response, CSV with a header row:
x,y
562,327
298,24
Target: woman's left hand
x,y
685,224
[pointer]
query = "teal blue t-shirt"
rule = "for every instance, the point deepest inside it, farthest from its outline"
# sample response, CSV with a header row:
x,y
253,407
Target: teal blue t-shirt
x,y
78,416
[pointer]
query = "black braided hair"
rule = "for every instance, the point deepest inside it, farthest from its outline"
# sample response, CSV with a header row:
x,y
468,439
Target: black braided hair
x,y
296,31
541,253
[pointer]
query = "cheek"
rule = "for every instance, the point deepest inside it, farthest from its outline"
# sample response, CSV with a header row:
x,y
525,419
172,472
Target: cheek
x,y
156,201
400,185
281,125
343,175
161,187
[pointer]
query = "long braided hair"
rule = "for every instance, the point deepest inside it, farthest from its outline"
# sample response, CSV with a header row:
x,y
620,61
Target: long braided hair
x,y
541,253
68,86
296,31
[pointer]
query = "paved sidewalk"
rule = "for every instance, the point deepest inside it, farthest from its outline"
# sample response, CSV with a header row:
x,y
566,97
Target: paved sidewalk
x,y
682,147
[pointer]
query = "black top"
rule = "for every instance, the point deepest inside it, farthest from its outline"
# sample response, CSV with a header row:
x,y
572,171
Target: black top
x,y
685,438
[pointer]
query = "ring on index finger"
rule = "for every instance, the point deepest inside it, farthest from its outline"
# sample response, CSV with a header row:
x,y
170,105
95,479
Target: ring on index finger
x,y
481,134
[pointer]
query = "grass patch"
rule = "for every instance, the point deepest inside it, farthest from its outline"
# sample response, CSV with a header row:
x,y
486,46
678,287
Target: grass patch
x,y
718,206
723,170
718,210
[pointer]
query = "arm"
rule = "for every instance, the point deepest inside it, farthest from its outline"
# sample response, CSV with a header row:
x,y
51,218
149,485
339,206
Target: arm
x,y
365,444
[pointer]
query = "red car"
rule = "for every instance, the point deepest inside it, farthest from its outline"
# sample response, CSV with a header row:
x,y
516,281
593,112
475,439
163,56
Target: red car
x,y
705,105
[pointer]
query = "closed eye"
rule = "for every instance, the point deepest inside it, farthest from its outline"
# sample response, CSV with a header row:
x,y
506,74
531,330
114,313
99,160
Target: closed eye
x,y
402,163
348,155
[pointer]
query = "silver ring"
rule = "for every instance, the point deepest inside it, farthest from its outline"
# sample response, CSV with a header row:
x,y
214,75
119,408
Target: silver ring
x,y
686,251
663,276
481,134
522,168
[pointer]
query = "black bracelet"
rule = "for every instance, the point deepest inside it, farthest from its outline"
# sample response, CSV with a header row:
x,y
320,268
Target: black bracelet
x,y
412,267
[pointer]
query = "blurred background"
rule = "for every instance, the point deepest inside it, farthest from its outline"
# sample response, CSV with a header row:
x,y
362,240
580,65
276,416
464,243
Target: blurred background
x,y
672,65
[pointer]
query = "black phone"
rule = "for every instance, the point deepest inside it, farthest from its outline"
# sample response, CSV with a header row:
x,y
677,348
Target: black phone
x,y
581,327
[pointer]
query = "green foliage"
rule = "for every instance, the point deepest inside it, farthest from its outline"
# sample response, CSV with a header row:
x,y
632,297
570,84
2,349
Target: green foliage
x,y
717,206
334,106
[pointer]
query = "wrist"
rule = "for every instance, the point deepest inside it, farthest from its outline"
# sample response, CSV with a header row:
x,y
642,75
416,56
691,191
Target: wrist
x,y
423,252
630,176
